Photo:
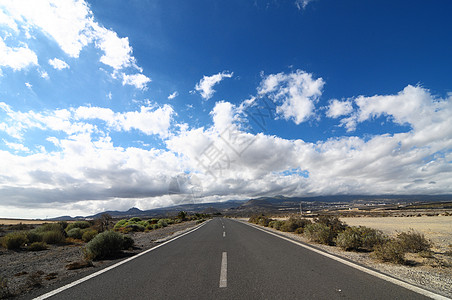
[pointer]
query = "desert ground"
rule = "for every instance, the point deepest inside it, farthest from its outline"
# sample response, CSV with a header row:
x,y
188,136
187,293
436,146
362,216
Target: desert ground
x,y
23,221
438,229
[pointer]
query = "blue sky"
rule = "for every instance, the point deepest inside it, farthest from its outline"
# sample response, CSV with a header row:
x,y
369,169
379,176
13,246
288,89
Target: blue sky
x,y
114,104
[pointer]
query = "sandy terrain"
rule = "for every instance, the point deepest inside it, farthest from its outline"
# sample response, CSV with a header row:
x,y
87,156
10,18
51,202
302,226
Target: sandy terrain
x,y
437,229
23,221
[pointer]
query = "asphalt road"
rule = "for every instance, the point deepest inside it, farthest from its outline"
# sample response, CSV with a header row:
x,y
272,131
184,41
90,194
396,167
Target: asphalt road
x,y
225,259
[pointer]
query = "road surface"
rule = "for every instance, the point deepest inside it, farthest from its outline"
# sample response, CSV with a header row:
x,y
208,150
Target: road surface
x,y
226,259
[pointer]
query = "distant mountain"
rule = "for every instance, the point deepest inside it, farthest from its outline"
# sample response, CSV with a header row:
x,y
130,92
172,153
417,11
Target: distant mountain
x,y
273,205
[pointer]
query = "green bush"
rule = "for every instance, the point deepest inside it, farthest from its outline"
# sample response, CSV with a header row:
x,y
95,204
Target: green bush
x,y
391,251
128,242
333,222
413,241
133,224
14,240
53,237
75,233
293,224
107,244
134,227
260,220
360,238
162,223
78,224
319,233
88,235
33,236
350,239
276,224
37,246
49,227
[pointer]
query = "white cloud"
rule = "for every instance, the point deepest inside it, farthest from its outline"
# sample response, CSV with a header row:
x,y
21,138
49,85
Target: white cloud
x,y
146,120
16,146
223,115
16,58
68,22
44,74
205,85
28,85
140,81
58,64
173,95
297,93
72,25
338,108
117,51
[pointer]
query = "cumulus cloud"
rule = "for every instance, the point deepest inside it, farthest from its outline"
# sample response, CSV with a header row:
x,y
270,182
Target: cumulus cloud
x,y
88,172
139,81
72,26
16,58
338,108
206,84
146,120
76,120
58,64
223,115
296,93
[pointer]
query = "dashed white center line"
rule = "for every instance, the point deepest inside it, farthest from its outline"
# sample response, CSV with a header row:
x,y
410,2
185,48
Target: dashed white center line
x,y
224,271
224,234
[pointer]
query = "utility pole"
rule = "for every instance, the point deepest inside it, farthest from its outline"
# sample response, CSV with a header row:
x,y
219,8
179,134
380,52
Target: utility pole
x,y
301,210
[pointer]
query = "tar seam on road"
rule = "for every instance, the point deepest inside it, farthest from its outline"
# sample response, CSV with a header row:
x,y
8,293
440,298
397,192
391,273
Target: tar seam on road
x,y
361,268
224,270
72,284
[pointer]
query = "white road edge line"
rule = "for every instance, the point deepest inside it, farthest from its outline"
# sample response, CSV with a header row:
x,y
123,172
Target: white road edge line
x,y
224,270
361,268
72,284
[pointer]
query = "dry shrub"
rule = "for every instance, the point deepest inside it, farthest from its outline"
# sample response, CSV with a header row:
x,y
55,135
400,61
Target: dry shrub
x,y
37,246
14,240
53,237
413,241
391,251
360,238
319,233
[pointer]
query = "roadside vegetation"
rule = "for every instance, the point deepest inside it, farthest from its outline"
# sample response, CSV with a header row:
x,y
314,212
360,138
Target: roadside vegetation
x,y
103,238
329,230
138,225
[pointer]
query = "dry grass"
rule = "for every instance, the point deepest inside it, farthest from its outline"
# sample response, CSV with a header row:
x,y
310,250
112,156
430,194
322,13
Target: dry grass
x,y
23,221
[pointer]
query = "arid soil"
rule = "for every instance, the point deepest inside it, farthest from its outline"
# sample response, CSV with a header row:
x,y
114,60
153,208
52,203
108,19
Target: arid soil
x,y
27,222
436,228
24,271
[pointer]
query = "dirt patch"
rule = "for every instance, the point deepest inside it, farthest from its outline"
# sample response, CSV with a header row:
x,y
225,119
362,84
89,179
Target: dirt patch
x,y
436,228
25,272
23,221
